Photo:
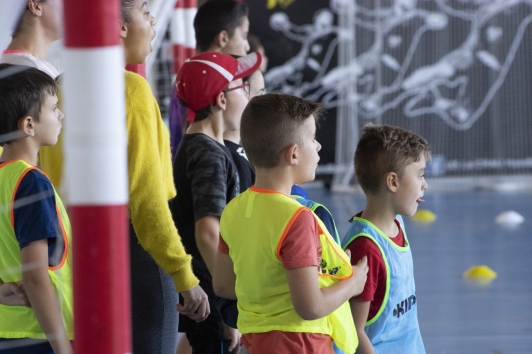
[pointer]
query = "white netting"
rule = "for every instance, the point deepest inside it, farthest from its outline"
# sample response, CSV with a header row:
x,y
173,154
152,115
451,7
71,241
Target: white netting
x,y
455,72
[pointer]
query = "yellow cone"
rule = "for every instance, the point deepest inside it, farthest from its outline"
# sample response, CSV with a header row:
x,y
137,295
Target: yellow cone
x,y
481,274
424,215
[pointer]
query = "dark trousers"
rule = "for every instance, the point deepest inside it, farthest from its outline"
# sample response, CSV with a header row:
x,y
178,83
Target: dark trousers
x,y
153,302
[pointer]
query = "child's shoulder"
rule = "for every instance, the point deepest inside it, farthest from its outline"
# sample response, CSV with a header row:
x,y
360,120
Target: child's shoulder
x,y
28,181
134,78
36,177
204,147
25,170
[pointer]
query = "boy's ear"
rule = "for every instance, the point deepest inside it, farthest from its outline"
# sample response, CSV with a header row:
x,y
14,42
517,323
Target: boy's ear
x,y
221,39
27,126
291,155
392,181
123,29
221,101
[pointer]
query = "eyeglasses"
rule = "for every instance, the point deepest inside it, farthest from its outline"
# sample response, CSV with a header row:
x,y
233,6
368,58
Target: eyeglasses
x,y
245,87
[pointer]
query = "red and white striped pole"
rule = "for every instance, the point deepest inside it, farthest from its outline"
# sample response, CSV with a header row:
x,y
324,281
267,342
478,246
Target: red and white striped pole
x,y
96,170
191,8
177,35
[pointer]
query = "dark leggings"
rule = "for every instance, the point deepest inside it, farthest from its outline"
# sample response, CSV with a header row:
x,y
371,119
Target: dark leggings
x,y
153,300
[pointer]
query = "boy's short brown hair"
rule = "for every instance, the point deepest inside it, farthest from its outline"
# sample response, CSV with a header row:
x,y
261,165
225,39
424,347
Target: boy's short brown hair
x,y
272,122
384,149
23,90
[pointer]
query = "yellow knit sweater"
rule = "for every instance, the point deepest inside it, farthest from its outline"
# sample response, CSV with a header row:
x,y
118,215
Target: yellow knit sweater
x,y
150,182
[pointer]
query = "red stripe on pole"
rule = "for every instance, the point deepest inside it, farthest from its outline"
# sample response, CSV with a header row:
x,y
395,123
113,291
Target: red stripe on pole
x,y
190,52
101,282
92,23
190,4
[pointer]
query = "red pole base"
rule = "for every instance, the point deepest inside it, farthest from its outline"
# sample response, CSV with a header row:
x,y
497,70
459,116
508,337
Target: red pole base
x,y
102,305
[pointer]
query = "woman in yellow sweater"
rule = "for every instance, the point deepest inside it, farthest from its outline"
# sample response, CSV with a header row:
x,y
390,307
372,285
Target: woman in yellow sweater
x,y
150,187
159,263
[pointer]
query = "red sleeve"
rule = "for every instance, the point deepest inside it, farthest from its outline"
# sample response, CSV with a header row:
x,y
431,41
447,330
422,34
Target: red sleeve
x,y
363,246
301,246
222,246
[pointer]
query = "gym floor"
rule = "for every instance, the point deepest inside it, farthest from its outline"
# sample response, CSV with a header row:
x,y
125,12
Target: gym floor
x,y
457,316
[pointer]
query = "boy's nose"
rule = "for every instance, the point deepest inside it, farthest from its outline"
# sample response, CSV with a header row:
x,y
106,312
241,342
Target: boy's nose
x,y
425,185
318,148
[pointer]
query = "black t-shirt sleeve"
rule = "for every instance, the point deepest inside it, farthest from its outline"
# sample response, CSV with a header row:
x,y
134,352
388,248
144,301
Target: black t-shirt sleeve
x,y
246,172
207,172
35,216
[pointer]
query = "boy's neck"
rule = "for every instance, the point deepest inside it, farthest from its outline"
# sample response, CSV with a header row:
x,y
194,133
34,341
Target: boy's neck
x,y
212,48
212,126
278,179
232,135
35,43
379,212
20,150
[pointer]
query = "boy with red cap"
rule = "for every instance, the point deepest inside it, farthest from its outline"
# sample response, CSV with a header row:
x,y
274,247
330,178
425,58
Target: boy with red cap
x,y
210,86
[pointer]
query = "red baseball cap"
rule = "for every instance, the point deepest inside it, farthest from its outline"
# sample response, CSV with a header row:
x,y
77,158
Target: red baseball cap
x,y
203,77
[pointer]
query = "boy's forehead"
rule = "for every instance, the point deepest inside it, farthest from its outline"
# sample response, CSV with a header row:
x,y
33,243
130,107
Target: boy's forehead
x,y
51,99
310,123
245,23
420,163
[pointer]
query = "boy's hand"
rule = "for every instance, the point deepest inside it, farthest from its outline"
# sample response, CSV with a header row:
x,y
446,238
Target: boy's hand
x,y
233,335
360,274
13,294
196,305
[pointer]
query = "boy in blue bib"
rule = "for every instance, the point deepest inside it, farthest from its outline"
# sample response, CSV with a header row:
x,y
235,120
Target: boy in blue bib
x,y
389,165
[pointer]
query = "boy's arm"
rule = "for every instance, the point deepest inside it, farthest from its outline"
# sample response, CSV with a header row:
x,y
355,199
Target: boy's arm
x,y
299,253
208,174
207,232
224,278
360,311
42,295
312,302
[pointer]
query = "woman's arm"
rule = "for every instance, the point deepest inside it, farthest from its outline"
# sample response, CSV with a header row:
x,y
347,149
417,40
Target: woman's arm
x,y
148,195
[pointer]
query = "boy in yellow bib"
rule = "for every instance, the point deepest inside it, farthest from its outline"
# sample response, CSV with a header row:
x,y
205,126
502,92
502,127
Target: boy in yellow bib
x,y
292,281
34,227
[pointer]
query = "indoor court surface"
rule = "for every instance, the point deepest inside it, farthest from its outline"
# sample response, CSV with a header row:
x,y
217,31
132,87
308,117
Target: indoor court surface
x,y
455,315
